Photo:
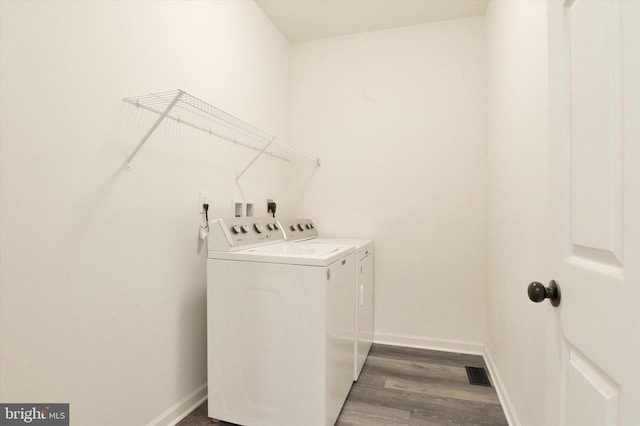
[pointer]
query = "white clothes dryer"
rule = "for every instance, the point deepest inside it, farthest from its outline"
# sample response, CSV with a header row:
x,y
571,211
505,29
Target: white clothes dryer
x,y
305,231
279,326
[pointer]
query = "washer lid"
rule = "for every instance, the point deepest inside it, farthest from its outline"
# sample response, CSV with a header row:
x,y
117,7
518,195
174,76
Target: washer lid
x,y
359,244
290,253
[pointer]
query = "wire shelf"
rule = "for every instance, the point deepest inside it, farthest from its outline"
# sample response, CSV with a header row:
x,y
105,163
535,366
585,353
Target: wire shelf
x,y
191,111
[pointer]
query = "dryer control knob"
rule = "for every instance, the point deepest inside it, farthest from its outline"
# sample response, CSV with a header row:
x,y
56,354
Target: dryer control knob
x,y
300,227
293,227
244,229
259,228
270,226
235,229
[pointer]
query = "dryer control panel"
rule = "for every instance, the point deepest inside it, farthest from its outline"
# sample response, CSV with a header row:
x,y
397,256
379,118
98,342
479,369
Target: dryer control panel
x,y
298,229
235,233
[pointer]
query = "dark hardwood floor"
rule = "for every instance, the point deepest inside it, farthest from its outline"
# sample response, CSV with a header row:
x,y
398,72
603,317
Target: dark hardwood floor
x,y
410,387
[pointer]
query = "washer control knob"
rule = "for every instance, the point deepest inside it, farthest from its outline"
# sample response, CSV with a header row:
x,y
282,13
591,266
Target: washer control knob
x,y
276,226
311,226
244,229
259,228
300,227
270,226
235,229
293,227
308,226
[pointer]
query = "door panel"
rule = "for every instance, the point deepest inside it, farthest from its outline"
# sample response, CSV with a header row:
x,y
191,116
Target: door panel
x,y
596,131
592,396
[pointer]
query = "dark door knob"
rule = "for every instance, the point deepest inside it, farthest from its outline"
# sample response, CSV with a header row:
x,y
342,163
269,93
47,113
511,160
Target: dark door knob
x,y
538,292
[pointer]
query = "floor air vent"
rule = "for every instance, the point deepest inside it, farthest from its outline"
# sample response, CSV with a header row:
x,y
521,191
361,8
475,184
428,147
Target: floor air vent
x,y
477,376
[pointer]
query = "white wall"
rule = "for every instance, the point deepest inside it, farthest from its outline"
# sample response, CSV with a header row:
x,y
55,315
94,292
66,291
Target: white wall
x,y
517,201
103,276
398,118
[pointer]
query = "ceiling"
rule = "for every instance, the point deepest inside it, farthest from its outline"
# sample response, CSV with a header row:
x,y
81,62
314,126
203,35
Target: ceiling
x,y
304,20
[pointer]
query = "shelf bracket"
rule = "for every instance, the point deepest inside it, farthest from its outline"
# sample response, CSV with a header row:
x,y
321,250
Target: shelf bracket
x,y
152,129
254,159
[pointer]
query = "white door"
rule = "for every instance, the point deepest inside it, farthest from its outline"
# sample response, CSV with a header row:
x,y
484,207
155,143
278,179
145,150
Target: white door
x,y
364,312
593,356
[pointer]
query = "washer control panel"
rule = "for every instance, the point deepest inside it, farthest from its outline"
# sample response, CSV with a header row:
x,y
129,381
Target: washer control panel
x,y
235,233
298,229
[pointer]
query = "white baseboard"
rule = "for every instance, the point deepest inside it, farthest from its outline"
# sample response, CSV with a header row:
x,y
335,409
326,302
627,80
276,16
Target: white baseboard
x,y
457,346
433,344
181,409
505,401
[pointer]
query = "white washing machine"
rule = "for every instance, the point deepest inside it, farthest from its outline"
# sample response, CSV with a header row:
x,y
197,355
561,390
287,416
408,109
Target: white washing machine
x,y
279,326
304,231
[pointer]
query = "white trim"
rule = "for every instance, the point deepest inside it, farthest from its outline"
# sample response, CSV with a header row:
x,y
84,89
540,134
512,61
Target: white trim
x,y
458,346
501,390
181,409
